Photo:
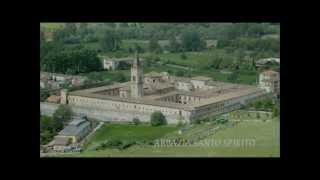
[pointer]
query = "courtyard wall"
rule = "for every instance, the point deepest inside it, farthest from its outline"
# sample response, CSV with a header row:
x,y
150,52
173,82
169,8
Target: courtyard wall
x,y
104,114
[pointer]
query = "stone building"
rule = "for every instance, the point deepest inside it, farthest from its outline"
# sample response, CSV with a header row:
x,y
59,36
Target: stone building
x,y
270,81
137,79
55,80
110,64
76,130
114,63
179,99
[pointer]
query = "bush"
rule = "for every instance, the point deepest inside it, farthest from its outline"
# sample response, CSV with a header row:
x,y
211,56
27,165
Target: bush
x,y
136,121
179,73
258,115
110,144
183,56
197,121
180,124
275,111
126,144
114,144
157,119
63,114
222,121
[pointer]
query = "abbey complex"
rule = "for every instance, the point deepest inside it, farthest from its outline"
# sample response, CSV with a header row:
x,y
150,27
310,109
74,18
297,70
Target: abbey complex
x,y
179,99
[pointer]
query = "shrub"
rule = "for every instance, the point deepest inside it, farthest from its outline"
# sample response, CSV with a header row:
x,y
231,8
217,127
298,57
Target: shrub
x,y
180,124
126,144
275,111
136,121
183,56
196,121
157,119
222,121
115,143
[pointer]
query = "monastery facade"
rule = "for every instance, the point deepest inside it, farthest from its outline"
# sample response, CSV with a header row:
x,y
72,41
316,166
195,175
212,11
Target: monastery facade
x,y
179,99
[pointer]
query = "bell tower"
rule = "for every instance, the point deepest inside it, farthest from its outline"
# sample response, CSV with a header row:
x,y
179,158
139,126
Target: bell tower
x,y
137,78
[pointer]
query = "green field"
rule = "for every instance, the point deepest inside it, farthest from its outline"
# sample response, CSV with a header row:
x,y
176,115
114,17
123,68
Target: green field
x,y
50,27
265,135
129,132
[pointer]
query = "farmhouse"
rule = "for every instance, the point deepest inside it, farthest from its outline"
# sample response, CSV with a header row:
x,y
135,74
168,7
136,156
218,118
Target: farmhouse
x,y
114,63
76,130
179,99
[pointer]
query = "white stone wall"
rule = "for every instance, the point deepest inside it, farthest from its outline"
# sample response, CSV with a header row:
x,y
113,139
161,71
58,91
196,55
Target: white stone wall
x,y
198,84
108,115
185,86
124,111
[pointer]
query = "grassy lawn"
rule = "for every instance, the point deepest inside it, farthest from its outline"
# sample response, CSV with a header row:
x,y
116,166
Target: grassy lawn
x,y
129,132
266,137
51,26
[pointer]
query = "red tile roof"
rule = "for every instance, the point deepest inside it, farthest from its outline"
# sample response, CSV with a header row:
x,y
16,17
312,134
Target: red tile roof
x,y
54,99
270,73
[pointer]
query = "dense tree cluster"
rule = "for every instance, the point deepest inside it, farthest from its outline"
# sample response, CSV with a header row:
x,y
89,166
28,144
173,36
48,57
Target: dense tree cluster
x,y
50,126
57,58
267,104
147,31
206,30
110,41
191,41
154,46
252,44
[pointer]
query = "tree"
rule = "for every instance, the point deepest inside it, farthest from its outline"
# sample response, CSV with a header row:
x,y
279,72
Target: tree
x,y
183,56
154,46
136,121
57,58
120,77
138,48
174,46
45,137
180,124
70,28
191,41
157,119
46,123
42,37
110,41
179,73
62,115
233,77
95,76
83,29
275,111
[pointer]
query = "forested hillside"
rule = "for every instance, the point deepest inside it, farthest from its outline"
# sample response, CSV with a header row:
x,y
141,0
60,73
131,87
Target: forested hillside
x,y
206,48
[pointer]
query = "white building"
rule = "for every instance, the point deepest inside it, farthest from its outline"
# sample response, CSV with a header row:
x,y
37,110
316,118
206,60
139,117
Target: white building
x,y
110,64
199,82
270,81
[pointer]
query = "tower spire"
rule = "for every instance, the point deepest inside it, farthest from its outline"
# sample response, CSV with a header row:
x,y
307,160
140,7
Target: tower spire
x,y
137,78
